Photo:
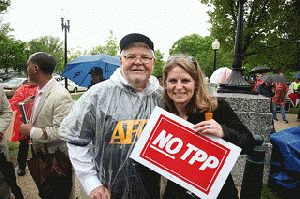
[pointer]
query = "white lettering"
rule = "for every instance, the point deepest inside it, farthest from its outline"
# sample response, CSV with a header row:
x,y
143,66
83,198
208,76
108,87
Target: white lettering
x,y
199,156
211,162
189,151
177,148
173,146
162,139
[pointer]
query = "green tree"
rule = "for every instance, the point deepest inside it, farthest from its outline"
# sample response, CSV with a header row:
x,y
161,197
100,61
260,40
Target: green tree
x,y
4,4
51,45
200,48
159,63
19,55
12,52
5,39
111,48
74,53
271,31
5,30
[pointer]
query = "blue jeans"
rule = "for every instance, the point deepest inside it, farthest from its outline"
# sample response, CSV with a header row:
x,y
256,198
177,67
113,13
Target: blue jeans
x,y
282,110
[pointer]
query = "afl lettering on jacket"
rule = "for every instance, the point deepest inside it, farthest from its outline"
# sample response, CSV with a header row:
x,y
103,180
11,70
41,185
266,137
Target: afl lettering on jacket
x,y
128,132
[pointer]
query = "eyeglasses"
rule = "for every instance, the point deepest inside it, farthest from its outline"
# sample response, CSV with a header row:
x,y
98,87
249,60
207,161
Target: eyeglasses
x,y
132,58
190,58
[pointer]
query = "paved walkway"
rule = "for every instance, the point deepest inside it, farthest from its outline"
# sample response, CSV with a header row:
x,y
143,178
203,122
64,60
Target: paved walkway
x,y
280,125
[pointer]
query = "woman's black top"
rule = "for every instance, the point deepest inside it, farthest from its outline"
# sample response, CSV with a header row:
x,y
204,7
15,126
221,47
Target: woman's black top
x,y
235,132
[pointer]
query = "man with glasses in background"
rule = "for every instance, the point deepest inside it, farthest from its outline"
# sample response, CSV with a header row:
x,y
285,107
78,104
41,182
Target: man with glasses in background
x,y
105,123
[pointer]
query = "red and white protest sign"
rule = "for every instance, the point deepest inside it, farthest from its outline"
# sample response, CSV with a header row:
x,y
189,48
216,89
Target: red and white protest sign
x,y
169,145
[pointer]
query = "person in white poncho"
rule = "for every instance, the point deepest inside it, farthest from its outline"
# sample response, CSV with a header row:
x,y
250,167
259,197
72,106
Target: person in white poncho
x,y
105,123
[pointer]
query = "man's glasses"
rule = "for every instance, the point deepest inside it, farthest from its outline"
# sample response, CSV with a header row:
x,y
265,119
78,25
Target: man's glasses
x,y
133,58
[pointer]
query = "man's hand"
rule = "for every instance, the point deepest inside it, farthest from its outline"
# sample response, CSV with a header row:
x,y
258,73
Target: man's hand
x,y
100,192
29,99
1,136
25,129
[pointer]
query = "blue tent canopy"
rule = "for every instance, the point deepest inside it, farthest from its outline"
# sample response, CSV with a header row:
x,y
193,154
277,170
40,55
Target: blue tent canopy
x,y
285,161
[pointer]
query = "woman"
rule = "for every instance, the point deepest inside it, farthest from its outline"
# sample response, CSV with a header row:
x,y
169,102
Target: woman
x,y
186,95
25,94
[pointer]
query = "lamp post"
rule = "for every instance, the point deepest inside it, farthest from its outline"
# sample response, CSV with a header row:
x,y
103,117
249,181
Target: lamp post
x,y
65,26
215,46
235,82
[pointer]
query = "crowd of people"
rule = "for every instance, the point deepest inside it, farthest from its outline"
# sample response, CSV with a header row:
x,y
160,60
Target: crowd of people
x,y
100,130
278,93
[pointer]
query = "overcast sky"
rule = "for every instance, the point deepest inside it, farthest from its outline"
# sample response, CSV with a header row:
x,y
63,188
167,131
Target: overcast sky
x,y
90,20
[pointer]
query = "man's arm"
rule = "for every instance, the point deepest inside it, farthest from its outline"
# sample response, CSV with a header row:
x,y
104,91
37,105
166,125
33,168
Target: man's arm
x,y
5,112
84,166
77,129
5,119
62,106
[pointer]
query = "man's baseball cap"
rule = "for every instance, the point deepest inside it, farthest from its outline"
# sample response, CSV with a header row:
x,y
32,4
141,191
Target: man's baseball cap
x,y
127,40
96,70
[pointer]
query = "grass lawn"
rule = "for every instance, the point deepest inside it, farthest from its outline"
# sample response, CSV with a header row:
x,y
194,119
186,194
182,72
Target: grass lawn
x,y
76,96
13,151
294,110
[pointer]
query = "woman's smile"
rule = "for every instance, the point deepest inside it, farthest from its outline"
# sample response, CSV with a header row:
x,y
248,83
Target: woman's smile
x,y
180,86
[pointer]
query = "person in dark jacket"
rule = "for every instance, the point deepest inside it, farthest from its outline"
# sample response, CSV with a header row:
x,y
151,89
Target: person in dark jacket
x,y
96,76
186,95
266,89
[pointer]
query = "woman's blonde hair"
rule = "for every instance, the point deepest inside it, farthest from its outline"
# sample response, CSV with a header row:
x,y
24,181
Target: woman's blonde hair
x,y
202,101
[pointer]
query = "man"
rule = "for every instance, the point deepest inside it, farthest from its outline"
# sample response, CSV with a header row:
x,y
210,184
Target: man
x,y
52,104
105,123
5,119
279,99
96,76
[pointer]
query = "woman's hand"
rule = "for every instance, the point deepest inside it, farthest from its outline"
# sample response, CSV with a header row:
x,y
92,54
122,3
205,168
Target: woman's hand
x,y
28,100
210,127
